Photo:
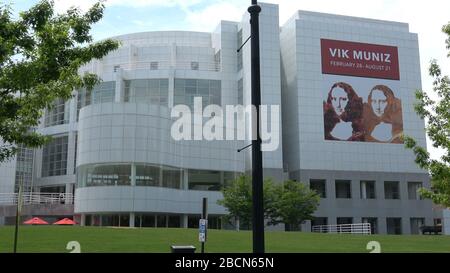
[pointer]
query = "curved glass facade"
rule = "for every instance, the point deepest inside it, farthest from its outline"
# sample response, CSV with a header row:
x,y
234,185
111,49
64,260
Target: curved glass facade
x,y
102,92
187,89
152,91
104,175
147,175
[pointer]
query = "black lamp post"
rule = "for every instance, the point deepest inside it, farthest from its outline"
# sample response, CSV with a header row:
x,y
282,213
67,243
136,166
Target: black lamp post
x,y
257,171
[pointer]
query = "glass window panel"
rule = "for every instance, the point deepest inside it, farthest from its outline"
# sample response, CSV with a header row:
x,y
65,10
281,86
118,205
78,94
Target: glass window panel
x,y
204,180
319,186
57,114
215,100
204,91
191,82
190,90
179,83
101,93
214,85
171,178
179,91
391,190
163,83
54,157
203,84
153,91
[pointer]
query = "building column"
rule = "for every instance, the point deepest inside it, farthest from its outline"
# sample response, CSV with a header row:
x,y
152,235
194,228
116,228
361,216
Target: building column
x,y
406,225
71,152
173,56
363,190
379,189
185,179
403,188
170,100
330,188
119,85
132,216
446,222
306,227
69,190
83,220
133,174
382,225
355,189
161,176
332,220
184,221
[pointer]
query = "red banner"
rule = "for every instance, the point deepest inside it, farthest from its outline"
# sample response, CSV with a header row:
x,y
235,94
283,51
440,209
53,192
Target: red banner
x,y
360,60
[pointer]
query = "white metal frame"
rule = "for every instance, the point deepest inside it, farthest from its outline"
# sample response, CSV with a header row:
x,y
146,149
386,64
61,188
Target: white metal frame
x,y
29,198
363,228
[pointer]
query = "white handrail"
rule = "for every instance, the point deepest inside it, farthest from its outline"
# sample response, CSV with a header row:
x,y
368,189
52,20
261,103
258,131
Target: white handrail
x,y
155,65
363,228
37,198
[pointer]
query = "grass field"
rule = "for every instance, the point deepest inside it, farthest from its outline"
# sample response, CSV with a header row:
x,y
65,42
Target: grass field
x,y
54,239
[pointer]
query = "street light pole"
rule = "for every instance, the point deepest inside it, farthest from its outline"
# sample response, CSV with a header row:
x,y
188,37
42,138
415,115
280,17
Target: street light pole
x,y
257,171
18,212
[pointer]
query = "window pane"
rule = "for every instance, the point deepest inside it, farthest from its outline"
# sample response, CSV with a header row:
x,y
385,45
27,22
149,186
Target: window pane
x,y
204,180
147,176
101,93
57,114
54,157
319,186
343,189
152,91
171,178
391,190
208,90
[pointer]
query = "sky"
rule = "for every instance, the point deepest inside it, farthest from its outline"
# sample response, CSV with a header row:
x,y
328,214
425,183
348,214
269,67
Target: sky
x,y
127,16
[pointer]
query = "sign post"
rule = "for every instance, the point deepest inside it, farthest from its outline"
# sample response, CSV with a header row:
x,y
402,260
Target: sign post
x,y
203,224
257,164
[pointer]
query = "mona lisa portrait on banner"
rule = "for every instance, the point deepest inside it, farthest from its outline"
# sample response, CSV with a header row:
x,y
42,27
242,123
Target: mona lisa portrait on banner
x,y
361,92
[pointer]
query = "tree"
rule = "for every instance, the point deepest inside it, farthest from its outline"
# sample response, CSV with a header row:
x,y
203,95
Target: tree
x,y
40,55
438,129
294,204
237,198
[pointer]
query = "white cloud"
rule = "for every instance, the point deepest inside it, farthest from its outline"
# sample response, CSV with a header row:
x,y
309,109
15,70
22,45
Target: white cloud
x,y
63,5
424,18
209,17
142,24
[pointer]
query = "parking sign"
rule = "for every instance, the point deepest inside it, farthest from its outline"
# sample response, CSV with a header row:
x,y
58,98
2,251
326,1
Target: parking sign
x,y
202,230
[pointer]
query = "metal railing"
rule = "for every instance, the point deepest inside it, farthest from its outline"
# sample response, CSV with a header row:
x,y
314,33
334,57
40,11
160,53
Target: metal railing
x,y
29,198
98,68
363,228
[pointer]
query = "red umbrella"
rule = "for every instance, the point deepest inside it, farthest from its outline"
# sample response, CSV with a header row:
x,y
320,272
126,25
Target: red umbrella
x,y
35,221
65,221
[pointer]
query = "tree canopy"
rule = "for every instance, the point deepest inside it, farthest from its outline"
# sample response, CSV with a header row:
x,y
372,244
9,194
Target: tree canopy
x,y
294,203
290,202
437,113
40,56
238,199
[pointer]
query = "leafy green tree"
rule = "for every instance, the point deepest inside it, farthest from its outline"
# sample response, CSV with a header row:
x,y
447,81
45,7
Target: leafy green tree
x,y
294,203
438,130
237,198
40,55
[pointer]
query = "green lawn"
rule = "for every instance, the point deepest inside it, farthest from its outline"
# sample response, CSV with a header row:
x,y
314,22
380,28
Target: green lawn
x,y
93,239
